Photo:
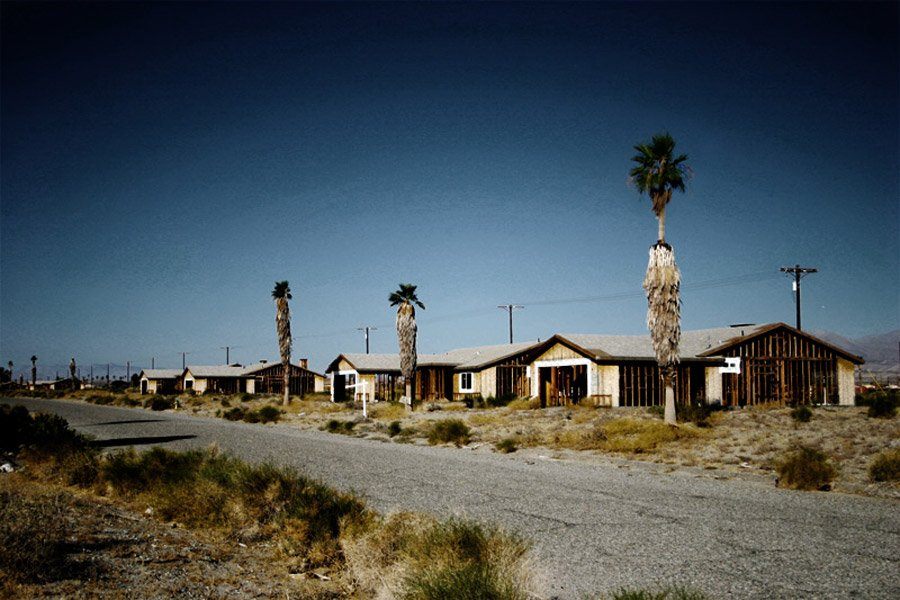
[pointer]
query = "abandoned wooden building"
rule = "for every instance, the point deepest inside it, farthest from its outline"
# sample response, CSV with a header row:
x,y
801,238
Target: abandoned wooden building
x,y
732,366
160,381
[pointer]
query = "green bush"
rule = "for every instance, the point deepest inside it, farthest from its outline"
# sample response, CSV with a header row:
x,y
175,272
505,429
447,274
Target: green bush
x,y
801,414
394,428
336,426
269,414
234,414
161,403
246,397
698,414
882,405
507,446
250,416
657,410
448,431
499,400
805,468
886,466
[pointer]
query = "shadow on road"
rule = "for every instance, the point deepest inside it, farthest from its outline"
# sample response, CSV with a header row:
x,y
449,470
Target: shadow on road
x,y
139,441
126,422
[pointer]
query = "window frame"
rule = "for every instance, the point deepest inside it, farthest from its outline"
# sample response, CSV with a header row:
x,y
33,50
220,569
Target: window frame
x,y
462,387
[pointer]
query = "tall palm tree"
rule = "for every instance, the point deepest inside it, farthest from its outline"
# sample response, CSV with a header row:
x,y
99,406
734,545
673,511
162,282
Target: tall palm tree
x,y
33,371
658,173
405,300
281,294
72,370
10,365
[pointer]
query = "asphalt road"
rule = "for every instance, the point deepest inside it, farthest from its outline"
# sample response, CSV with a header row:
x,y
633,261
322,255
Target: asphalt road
x,y
595,528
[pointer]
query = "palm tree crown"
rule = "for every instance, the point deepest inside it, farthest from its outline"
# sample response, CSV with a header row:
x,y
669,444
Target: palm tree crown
x,y
282,290
405,295
658,171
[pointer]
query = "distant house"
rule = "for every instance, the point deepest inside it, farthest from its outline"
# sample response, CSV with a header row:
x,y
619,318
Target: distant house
x,y
159,381
55,384
732,366
259,378
483,371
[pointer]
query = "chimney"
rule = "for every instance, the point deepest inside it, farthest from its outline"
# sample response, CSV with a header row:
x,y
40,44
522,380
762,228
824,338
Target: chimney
x,y
304,363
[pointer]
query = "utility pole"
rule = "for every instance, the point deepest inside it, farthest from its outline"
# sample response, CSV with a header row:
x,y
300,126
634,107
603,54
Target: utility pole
x,y
510,308
367,329
227,350
152,362
92,372
107,373
183,354
798,272
127,370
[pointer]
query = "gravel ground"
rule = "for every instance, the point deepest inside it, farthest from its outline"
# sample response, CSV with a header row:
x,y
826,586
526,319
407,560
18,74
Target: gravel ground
x,y
596,527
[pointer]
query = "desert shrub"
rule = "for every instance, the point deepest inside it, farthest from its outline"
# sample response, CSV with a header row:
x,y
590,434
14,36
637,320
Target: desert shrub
x,y
47,440
269,414
805,468
250,416
387,410
225,402
394,428
475,401
101,399
507,446
246,397
161,403
698,414
657,410
882,405
337,426
496,402
886,466
801,414
448,431
234,414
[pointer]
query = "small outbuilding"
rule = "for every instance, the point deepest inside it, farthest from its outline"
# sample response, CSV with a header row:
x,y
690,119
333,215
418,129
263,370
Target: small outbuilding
x,y
159,381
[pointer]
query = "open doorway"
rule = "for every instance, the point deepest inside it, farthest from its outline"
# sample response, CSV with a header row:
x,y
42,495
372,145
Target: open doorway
x,y
562,386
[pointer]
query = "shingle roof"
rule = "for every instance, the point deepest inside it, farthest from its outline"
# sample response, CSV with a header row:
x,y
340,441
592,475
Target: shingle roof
x,y
692,344
161,373
473,358
215,371
372,362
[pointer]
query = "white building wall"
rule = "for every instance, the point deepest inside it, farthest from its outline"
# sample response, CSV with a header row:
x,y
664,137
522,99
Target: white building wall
x,y
713,385
846,382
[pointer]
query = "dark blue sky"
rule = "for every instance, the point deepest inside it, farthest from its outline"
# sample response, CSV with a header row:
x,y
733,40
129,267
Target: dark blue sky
x,y
164,164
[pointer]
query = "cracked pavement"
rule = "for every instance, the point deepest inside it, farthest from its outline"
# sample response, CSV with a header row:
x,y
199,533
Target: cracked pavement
x,y
595,528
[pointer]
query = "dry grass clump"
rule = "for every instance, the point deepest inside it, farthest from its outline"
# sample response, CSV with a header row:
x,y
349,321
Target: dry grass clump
x,y
886,466
32,537
416,557
507,445
387,411
449,431
524,404
805,468
635,436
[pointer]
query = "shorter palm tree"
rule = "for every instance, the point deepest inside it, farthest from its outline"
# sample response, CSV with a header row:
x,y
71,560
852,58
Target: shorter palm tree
x,y
281,294
406,300
33,370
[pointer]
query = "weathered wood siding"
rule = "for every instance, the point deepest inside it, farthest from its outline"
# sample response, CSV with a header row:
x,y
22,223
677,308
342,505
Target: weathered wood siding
x,y
846,382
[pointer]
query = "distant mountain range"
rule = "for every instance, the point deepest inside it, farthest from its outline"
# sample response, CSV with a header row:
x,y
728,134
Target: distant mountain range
x,y
881,351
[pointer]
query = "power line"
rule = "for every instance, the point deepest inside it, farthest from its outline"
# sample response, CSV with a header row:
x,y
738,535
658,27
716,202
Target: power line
x,y
367,328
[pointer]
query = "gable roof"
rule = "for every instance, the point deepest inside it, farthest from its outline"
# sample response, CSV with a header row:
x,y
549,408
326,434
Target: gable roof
x,y
161,373
214,370
764,329
478,357
259,366
363,363
693,344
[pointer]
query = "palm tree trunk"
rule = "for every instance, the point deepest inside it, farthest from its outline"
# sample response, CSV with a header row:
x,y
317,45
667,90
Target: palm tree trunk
x,y
662,225
669,414
286,367
409,391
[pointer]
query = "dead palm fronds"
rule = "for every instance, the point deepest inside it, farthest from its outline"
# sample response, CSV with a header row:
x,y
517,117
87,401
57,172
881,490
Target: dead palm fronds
x,y
405,300
658,173
281,294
